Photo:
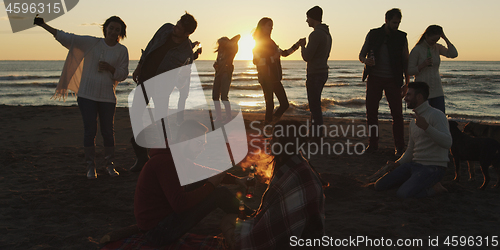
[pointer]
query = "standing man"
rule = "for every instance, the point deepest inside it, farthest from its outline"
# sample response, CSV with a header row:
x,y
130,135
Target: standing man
x,y
316,55
385,55
421,168
169,48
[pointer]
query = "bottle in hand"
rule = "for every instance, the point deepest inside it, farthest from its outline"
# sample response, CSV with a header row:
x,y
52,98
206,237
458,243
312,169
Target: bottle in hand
x,y
372,56
241,213
101,59
250,183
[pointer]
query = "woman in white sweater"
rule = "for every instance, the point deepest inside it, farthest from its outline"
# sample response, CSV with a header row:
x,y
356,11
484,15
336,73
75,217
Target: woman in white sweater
x,y
425,59
93,68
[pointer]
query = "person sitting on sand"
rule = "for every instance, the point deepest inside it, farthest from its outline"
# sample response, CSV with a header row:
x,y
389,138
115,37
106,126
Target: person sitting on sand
x,y
420,169
226,51
293,204
164,209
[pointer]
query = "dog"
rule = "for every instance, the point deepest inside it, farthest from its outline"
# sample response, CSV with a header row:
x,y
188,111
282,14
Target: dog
x,y
483,130
480,130
467,148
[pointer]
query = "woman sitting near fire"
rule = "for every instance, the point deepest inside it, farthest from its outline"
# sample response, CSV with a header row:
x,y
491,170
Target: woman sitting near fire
x,y
293,204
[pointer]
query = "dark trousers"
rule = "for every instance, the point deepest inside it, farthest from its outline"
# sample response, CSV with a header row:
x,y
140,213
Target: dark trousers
x,y
374,88
176,225
314,86
270,88
90,110
222,83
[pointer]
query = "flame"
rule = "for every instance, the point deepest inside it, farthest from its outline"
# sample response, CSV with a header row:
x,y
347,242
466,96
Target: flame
x,y
258,157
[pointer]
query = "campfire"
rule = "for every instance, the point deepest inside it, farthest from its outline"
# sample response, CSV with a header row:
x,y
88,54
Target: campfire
x,y
258,158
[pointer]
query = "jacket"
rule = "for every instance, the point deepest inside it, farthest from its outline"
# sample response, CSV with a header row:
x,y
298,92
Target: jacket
x,y
175,57
396,42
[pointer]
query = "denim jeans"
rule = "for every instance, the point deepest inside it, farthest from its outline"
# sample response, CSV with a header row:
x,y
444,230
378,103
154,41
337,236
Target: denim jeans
x,y
437,102
415,180
176,225
90,110
314,87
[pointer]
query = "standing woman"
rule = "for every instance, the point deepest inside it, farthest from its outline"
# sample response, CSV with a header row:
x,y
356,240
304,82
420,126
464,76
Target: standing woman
x,y
266,56
92,69
226,51
424,62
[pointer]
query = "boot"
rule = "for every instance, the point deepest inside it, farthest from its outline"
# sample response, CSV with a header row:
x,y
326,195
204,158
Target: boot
x,y
109,155
141,154
218,111
227,106
90,162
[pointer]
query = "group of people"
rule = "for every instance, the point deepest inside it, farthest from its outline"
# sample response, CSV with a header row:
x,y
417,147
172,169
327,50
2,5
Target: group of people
x,y
266,57
388,67
293,204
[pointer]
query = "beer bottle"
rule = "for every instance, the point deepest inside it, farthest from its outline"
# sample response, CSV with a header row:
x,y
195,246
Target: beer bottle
x,y
372,56
241,213
429,55
250,183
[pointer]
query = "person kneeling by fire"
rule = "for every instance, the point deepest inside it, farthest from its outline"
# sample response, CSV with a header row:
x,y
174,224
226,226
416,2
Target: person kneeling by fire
x,y
293,204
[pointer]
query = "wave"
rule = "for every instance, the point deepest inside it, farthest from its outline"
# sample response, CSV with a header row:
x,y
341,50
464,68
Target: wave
x,y
326,103
346,77
212,74
340,84
238,87
247,87
28,77
475,91
29,85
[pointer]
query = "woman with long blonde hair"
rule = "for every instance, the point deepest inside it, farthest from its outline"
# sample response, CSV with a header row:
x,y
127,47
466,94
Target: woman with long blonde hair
x,y
266,56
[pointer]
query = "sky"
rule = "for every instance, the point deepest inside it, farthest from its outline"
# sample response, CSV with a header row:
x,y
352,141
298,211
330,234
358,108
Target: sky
x,y
472,26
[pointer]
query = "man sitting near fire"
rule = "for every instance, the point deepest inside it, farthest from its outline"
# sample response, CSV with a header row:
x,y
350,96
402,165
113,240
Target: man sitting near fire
x,y
293,204
419,171
164,209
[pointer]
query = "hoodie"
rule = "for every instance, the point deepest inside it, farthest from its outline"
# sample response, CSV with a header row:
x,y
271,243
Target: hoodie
x,y
317,51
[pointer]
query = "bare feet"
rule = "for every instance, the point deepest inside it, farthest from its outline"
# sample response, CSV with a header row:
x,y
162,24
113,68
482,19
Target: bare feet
x,y
438,188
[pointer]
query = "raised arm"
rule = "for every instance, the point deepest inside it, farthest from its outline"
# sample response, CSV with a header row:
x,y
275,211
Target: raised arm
x,y
40,22
450,51
289,51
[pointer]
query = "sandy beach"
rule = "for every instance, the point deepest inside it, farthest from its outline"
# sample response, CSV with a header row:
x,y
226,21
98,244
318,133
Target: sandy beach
x,y
46,202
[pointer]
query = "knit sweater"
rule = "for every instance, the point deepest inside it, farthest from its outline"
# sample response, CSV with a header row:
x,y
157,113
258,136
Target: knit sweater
x,y
430,146
429,75
80,73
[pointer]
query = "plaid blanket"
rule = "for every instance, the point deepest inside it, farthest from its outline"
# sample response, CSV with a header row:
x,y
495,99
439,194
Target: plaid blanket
x,y
187,242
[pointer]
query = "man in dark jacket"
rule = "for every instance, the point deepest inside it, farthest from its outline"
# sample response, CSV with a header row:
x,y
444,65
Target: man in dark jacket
x,y
170,48
385,55
316,55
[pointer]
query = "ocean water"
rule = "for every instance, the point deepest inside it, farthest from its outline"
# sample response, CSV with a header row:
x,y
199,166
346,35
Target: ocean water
x,y
472,89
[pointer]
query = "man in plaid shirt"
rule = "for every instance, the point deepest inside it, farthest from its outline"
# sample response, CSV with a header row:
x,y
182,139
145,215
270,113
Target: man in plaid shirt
x,y
293,204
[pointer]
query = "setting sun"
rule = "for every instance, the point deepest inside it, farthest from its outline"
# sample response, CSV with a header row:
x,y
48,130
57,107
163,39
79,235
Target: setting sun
x,y
245,45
